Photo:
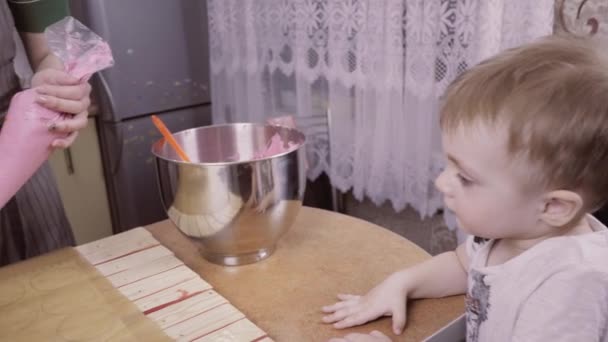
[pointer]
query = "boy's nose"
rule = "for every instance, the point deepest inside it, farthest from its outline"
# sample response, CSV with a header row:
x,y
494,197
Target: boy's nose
x,y
442,184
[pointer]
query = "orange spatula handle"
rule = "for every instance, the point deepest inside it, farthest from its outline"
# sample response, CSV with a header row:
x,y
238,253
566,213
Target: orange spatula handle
x,y
169,137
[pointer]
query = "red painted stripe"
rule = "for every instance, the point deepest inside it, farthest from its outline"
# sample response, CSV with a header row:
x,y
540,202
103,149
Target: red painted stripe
x,y
152,275
198,314
181,282
185,295
164,288
220,328
124,255
260,338
126,269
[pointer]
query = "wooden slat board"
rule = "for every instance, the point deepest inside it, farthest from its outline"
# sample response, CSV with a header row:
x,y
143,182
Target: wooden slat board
x,y
117,246
184,306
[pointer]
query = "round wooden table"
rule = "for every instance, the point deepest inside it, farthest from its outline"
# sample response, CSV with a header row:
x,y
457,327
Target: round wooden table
x,y
323,254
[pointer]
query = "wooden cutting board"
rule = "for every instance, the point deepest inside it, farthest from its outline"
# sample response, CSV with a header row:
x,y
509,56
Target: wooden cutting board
x,y
61,297
126,287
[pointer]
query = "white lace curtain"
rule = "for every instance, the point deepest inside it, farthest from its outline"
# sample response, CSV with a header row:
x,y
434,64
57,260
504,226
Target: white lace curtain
x,y
363,78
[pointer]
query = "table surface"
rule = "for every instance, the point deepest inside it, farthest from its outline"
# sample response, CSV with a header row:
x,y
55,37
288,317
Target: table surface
x,y
323,254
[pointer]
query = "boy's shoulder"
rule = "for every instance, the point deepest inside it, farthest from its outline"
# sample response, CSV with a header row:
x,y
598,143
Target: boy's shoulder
x,y
557,254
566,263
581,254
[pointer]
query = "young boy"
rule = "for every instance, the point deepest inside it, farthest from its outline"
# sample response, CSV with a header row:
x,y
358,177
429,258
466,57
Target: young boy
x,y
526,138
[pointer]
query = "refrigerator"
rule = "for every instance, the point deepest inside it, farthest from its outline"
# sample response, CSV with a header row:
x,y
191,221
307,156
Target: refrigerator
x,y
161,67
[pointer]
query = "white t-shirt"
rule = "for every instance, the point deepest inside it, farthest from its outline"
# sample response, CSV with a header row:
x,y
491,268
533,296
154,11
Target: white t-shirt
x,y
555,291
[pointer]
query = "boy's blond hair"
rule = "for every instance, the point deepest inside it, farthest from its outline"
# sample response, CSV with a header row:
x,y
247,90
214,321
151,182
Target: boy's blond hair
x,y
553,96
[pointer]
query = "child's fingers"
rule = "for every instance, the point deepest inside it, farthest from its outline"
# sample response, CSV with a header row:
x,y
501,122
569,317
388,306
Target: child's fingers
x,y
68,92
338,315
355,337
399,317
335,307
343,296
354,319
376,333
331,318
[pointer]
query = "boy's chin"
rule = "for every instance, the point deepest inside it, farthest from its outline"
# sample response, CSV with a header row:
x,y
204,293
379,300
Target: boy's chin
x,y
469,231
462,226
465,230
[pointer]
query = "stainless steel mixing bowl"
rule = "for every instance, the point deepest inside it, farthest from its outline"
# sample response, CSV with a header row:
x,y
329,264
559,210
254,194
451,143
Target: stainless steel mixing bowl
x,y
233,206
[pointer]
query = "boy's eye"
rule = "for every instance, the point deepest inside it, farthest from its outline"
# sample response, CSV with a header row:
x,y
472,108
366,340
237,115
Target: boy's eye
x,y
464,180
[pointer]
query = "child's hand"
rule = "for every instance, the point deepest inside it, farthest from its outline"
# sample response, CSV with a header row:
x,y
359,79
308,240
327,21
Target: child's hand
x,y
387,299
63,93
374,336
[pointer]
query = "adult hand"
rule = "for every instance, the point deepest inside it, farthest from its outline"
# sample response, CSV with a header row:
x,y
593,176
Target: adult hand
x,y
61,92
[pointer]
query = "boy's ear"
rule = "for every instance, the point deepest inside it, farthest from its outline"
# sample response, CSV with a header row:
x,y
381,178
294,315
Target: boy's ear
x,y
560,207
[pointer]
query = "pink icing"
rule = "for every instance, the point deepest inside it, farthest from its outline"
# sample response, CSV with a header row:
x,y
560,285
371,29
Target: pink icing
x,y
24,142
276,146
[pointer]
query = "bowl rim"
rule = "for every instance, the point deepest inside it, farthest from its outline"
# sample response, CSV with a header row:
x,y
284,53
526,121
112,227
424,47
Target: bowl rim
x,y
157,145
